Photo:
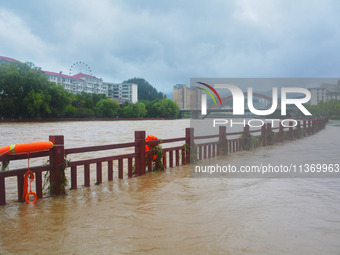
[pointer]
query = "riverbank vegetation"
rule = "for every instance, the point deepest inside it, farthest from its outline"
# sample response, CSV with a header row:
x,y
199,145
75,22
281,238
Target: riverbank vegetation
x,y
26,93
330,109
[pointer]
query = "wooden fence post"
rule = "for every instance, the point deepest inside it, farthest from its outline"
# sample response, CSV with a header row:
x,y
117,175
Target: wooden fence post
x,y
263,135
310,131
189,141
269,136
281,132
314,128
2,191
246,138
58,164
291,134
20,184
222,140
298,129
140,153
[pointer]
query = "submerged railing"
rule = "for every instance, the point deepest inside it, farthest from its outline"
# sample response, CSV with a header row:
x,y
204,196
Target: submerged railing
x,y
137,162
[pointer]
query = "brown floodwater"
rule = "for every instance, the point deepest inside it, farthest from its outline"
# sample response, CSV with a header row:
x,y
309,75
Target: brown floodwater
x,y
173,213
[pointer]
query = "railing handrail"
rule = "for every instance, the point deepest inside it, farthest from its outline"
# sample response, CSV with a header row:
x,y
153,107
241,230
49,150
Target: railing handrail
x,y
22,171
97,160
170,149
204,144
206,136
172,140
99,148
9,157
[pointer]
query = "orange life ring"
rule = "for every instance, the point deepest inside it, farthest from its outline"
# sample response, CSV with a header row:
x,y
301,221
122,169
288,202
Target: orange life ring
x,y
28,175
26,147
27,199
148,147
150,138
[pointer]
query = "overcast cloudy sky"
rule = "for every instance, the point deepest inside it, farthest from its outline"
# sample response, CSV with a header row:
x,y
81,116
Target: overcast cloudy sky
x,y
167,42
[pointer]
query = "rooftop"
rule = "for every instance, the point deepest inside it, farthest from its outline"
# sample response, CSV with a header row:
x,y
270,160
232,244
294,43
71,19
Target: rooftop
x,y
61,75
76,77
82,75
8,59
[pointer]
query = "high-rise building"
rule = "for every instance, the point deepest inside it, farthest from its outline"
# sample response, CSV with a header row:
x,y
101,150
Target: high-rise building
x,y
187,98
180,96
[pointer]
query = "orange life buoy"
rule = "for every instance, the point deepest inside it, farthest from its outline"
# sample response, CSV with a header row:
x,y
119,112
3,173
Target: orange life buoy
x,y
28,175
27,199
148,147
150,138
26,147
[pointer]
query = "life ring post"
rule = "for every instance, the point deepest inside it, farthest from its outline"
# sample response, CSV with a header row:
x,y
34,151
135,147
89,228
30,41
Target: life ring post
x,y
57,160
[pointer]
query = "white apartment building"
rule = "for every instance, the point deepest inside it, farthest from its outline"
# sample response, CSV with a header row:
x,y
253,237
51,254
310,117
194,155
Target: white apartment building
x,y
125,91
78,83
325,92
317,95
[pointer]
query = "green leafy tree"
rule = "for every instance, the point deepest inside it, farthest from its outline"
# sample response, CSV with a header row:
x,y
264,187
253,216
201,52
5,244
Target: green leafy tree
x,y
27,93
70,111
84,113
11,90
140,110
330,109
164,108
85,105
107,108
145,90
136,110
60,100
37,104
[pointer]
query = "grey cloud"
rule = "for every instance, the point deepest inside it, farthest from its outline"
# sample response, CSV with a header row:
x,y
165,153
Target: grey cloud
x,y
167,42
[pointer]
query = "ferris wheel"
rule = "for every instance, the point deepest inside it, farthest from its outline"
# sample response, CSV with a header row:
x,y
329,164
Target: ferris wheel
x,y
80,67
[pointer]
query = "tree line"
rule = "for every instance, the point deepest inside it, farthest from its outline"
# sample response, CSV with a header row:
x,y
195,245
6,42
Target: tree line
x,y
26,93
330,109
145,90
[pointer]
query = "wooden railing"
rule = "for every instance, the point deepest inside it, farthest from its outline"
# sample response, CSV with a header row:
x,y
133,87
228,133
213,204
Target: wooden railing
x,y
136,162
267,136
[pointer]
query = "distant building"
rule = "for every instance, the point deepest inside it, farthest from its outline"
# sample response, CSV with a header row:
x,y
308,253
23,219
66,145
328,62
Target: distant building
x,y
325,93
195,96
123,91
80,82
180,96
317,95
7,60
187,98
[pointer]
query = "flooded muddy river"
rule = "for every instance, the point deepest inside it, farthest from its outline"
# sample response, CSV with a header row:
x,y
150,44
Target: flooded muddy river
x,y
172,213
